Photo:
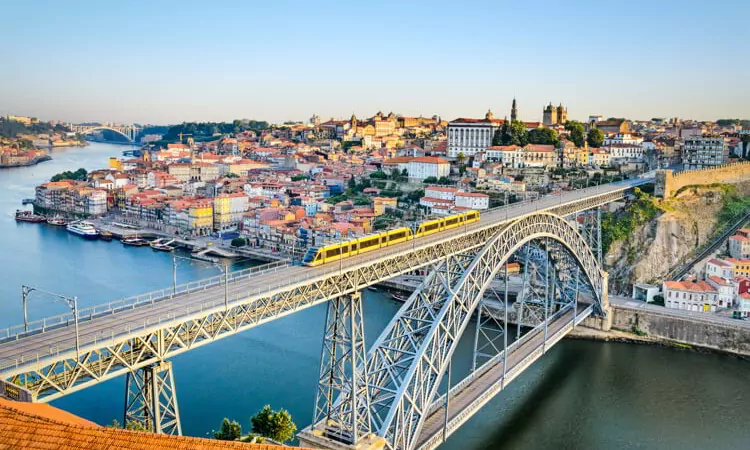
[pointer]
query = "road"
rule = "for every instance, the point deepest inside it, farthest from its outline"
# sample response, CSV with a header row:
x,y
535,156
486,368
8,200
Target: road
x,y
459,401
48,345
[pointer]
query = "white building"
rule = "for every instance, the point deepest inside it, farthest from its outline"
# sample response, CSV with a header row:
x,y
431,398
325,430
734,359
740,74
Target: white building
x,y
510,155
726,291
719,268
625,152
743,304
427,166
739,247
472,200
690,296
707,151
622,138
441,193
469,136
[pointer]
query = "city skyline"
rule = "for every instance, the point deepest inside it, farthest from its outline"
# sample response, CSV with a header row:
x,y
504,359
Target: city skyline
x,y
170,63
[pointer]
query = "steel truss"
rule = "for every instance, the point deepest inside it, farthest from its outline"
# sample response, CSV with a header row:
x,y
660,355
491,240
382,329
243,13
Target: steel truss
x,y
411,355
56,374
151,400
342,402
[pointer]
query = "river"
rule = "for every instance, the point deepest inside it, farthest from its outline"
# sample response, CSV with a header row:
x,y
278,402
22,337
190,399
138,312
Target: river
x,y
581,395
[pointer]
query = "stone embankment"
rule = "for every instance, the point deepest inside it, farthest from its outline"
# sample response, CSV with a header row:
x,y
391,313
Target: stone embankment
x,y
633,321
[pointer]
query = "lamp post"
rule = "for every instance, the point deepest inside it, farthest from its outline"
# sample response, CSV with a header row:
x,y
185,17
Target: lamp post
x,y
224,268
72,303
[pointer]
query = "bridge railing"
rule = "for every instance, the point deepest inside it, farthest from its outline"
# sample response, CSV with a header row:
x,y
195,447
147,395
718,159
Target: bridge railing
x,y
41,325
16,332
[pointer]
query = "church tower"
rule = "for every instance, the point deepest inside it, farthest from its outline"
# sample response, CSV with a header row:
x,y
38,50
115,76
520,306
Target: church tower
x,y
562,114
549,118
514,111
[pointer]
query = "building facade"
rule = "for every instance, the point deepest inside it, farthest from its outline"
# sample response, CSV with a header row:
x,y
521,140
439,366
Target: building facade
x,y
469,136
699,152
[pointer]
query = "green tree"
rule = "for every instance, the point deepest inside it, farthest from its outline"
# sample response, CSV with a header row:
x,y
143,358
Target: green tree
x,y
78,175
444,181
595,138
229,431
460,158
577,133
276,425
378,175
352,184
405,173
238,242
544,136
299,177
430,180
518,134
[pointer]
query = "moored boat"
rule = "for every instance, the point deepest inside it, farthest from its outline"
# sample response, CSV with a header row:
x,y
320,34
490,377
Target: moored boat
x,y
162,247
134,241
57,222
28,216
84,229
105,235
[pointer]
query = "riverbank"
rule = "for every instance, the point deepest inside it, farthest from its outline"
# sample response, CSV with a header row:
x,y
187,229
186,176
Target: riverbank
x,y
33,162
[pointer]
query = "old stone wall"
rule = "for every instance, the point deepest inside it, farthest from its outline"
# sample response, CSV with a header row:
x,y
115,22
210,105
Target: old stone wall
x,y
704,333
669,182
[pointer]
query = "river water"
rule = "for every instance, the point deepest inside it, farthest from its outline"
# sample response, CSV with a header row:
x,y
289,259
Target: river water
x,y
581,395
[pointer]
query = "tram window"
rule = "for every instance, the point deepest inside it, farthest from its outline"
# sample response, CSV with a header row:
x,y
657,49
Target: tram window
x,y
333,252
369,242
398,235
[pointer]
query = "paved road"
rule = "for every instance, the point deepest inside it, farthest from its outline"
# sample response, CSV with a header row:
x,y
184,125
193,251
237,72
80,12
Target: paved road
x,y
459,401
48,344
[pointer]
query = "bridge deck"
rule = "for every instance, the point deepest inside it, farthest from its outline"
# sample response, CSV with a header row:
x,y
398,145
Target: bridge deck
x,y
22,352
477,389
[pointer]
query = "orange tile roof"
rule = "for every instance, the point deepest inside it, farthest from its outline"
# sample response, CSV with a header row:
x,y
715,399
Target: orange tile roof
x,y
430,160
44,427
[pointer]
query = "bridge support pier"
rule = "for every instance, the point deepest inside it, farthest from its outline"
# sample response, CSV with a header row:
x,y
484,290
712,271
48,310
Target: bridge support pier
x,y
342,403
151,400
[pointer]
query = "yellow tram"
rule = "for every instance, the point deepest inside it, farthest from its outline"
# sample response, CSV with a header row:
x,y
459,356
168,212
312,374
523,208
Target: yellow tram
x,y
316,256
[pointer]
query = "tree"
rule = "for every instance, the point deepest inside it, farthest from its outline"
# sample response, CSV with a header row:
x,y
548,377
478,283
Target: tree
x,y
378,175
544,136
430,180
238,242
229,431
276,425
577,134
405,173
595,138
78,175
352,184
444,181
299,177
518,134
460,158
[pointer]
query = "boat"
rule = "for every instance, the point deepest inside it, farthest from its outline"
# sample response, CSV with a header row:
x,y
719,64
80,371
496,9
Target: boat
x,y
83,229
162,247
28,216
134,241
399,297
57,222
372,288
105,235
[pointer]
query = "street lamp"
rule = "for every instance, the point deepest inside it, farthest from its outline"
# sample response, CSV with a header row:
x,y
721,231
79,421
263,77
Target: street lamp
x,y
224,268
72,303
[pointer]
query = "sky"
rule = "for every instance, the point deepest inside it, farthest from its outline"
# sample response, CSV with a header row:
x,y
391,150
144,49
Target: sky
x,y
164,62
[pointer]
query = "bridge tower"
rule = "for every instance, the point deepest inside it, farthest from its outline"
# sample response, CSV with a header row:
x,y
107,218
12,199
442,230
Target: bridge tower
x,y
151,400
342,405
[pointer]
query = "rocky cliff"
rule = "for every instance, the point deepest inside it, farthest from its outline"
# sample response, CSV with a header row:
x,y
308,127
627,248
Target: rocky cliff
x,y
685,222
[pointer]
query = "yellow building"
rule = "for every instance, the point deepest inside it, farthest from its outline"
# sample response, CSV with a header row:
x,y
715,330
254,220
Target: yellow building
x,y
115,163
379,204
201,217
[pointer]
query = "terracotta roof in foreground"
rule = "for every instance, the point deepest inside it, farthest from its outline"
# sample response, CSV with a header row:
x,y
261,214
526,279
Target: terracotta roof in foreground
x,y
40,426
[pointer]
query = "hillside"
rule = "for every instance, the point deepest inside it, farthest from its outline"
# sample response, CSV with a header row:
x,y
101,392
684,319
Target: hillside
x,y
651,235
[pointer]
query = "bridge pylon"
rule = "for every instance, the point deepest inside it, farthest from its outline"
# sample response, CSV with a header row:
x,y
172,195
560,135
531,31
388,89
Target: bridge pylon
x,y
151,399
342,418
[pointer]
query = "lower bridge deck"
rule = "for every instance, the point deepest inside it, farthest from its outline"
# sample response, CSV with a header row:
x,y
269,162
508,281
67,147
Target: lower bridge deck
x,y
469,395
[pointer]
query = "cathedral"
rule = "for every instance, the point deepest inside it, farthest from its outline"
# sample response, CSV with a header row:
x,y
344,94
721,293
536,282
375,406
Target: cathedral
x,y
554,115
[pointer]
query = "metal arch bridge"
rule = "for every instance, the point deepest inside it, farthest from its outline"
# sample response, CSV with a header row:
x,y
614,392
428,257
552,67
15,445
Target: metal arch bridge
x,y
387,396
131,132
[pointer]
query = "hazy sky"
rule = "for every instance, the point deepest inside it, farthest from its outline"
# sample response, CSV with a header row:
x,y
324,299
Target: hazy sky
x,y
167,62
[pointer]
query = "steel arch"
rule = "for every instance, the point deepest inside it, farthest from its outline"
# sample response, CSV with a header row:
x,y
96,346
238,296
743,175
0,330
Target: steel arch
x,y
89,130
408,360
